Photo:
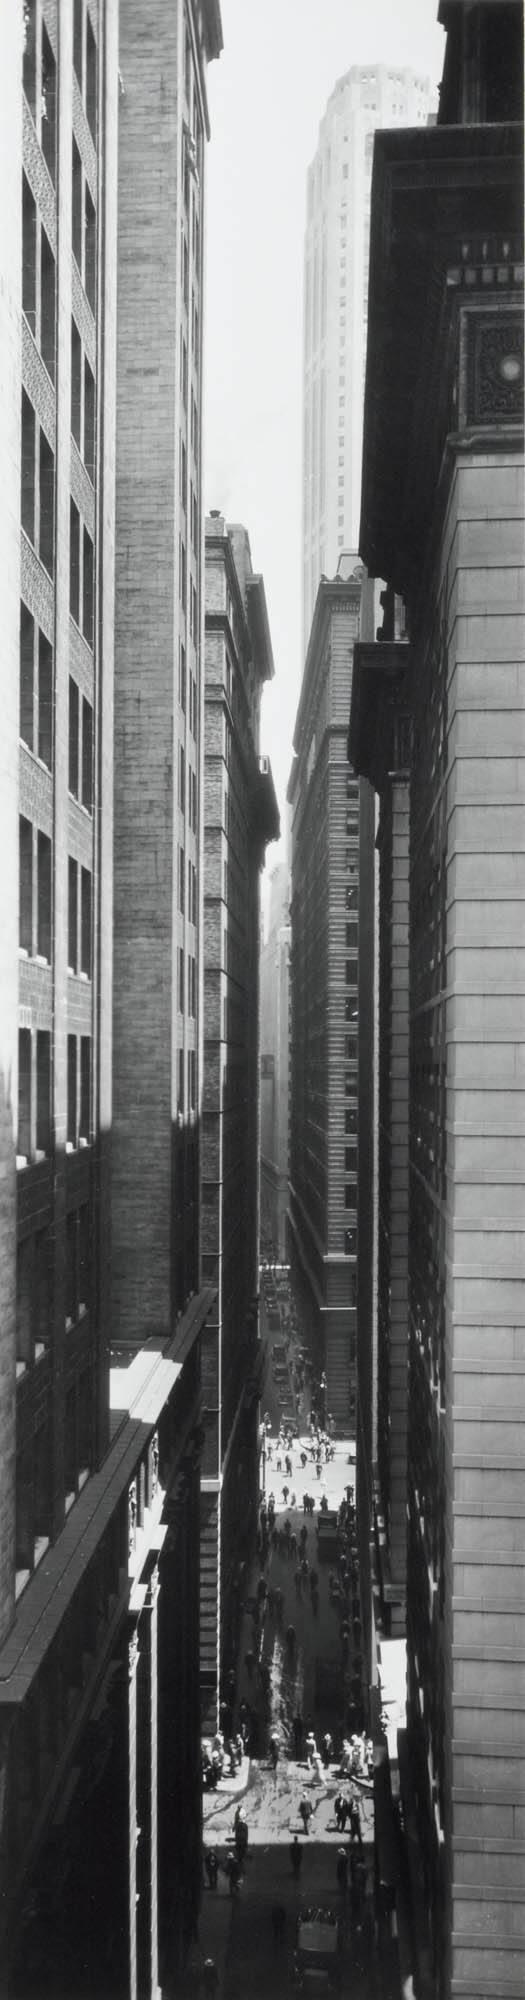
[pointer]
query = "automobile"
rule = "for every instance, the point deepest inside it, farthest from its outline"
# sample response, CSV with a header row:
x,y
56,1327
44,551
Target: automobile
x,y
317,1956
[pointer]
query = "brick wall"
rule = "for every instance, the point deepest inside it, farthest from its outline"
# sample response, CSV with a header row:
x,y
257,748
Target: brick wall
x,y
10,304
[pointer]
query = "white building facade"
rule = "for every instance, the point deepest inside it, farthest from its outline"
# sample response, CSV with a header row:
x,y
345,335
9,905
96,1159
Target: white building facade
x,y
336,307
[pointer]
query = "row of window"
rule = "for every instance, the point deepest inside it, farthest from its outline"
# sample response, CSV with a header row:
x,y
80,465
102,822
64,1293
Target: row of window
x,y
191,983
82,401
34,1092
78,1127
35,901
38,486
40,83
38,281
187,690
192,886
80,747
81,574
192,1081
36,688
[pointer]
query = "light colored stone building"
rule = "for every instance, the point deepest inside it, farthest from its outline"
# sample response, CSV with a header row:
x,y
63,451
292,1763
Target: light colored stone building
x,y
275,1068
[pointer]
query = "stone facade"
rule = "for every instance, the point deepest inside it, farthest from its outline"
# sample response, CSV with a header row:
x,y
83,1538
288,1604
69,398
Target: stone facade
x,y
275,1069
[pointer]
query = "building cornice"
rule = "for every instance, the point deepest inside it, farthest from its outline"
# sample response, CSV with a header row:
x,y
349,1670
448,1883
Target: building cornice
x,y
446,247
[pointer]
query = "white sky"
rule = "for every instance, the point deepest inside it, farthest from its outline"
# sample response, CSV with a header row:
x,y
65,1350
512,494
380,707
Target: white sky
x,y
267,94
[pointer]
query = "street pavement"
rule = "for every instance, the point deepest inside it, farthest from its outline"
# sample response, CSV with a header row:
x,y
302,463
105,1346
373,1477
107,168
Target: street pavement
x,y
236,1932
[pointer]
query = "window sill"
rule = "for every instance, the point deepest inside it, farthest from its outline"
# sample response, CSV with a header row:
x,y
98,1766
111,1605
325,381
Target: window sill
x,y
21,1369
70,1146
21,1578
41,1547
83,1142
82,1477
40,958
40,1348
23,951
69,1502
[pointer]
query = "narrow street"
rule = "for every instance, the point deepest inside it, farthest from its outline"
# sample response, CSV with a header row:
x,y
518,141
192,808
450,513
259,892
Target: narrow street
x,y
314,1676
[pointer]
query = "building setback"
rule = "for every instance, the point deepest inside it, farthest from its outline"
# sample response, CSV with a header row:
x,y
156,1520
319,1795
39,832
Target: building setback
x,y
275,1069
439,722
331,990
335,307
99,1719
241,816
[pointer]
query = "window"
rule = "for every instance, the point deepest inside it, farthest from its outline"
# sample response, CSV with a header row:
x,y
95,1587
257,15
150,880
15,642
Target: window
x,y
45,700
351,1159
29,70
83,1256
181,979
24,1093
78,23
73,737
71,1274
72,915
351,1118
28,467
42,1291
24,1301
44,897
43,1091
351,1048
180,1088
85,922
182,573
29,255
350,1242
90,248
27,646
182,677
182,878
47,305
48,103
71,1128
76,384
351,936
25,886
87,754
85,1087
351,972
91,79
76,217
182,779
87,593
46,547
89,420
74,564
351,896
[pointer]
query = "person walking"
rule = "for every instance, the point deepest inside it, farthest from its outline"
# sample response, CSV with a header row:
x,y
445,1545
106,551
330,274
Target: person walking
x,y
211,1866
327,1749
296,1857
274,1751
305,1810
234,1873
342,1871
211,1977
288,1467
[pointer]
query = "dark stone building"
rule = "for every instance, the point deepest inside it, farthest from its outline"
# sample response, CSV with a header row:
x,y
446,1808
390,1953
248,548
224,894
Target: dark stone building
x,y
331,992
240,817
437,725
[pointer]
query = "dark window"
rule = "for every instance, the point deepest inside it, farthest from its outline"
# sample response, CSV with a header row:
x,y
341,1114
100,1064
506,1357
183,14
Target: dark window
x,y
45,700
29,71
351,1048
76,220
24,1515
71,1273
71,1133
351,896
91,79
42,1287
43,1091
87,591
76,383
78,24
24,1092
182,677
73,737
47,305
44,897
49,91
350,1242
25,885
351,1118
41,1483
27,648
85,1087
85,921
351,972
90,248
24,1300
89,420
180,1090
85,1419
181,980
351,1159
87,754
46,548
351,936
29,255
83,1254
74,563
72,924
28,467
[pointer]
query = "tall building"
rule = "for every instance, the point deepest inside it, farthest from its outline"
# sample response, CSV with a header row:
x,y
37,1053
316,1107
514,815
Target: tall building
x,y
241,816
331,986
437,719
99,1871
335,307
275,1068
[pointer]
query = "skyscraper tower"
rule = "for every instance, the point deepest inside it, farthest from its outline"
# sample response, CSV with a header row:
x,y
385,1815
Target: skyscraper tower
x,y
336,304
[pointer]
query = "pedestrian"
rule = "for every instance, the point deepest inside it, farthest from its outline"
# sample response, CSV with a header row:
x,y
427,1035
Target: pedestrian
x,y
314,1581
296,1857
311,1746
211,1977
287,1528
240,1833
286,1490
303,1537
234,1874
355,1823
291,1639
297,1726
249,1659
303,1463
278,1925
288,1467
293,1545
305,1809
305,1506
261,1589
338,1810
305,1567
298,1581
327,1749
212,1867
278,1604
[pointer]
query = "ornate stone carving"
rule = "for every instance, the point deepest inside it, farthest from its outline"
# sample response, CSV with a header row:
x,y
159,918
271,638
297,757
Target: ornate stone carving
x,y
495,368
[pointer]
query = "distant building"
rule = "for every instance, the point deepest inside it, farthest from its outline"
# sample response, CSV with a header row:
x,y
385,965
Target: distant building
x,y
336,306
436,721
100,1301
240,817
331,990
275,1068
